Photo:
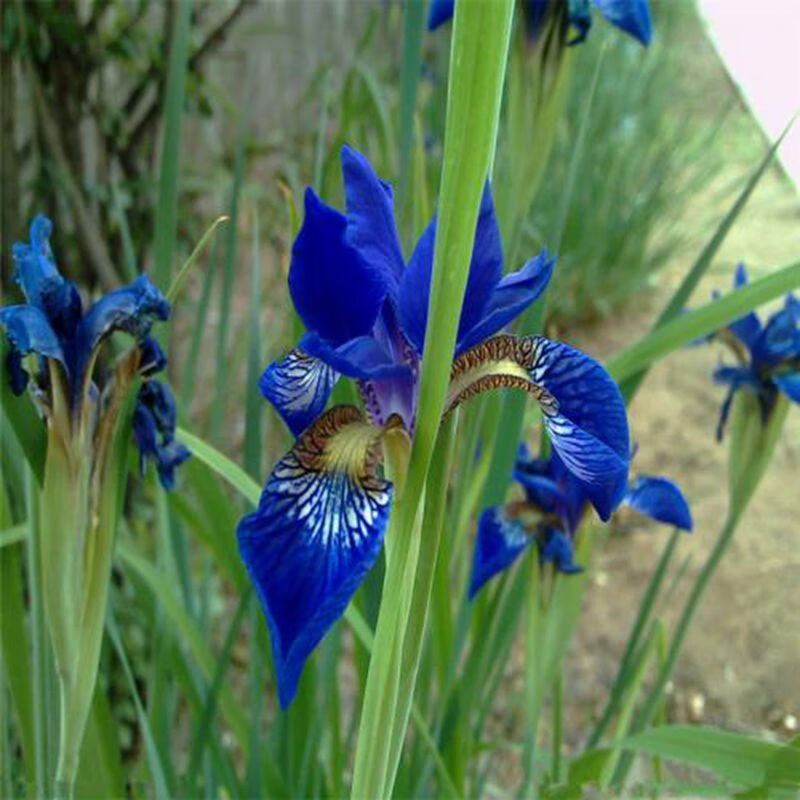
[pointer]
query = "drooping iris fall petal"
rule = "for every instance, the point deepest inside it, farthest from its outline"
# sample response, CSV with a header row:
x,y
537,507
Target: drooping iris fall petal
x,y
661,499
316,533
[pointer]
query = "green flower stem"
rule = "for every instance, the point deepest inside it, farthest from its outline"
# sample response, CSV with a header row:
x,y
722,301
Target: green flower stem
x,y
642,616
433,523
752,445
649,649
80,504
534,679
477,66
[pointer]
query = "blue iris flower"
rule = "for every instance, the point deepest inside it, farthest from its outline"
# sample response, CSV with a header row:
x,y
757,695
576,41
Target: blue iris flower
x,y
768,355
53,326
551,512
630,16
323,513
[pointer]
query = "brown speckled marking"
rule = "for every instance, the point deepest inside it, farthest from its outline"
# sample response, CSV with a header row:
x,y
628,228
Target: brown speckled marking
x,y
311,448
522,350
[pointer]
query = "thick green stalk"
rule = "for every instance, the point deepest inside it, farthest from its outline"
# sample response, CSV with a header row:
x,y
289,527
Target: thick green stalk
x,y
433,523
477,66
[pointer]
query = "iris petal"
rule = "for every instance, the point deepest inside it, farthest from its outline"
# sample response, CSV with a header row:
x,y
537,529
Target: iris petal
x,y
439,12
336,292
28,331
485,270
499,542
789,384
631,16
780,339
299,387
370,218
661,499
34,262
583,410
364,357
168,457
131,309
153,358
555,547
157,396
515,292
316,533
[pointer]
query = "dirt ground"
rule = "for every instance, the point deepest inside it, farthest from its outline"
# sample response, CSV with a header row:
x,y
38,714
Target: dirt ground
x,y
739,665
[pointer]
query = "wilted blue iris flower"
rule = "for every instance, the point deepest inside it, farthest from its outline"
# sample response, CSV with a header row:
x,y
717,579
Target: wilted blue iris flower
x,y
768,356
53,326
322,515
551,512
630,16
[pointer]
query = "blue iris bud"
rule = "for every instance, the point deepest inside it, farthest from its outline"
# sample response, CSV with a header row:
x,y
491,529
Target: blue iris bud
x,y
767,356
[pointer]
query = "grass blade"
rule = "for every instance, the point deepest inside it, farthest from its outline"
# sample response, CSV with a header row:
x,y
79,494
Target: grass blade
x,y
153,757
695,324
222,465
167,213
689,283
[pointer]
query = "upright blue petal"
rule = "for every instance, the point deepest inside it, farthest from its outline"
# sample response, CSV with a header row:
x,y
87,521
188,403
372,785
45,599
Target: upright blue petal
x,y
512,295
28,331
661,499
499,542
316,533
415,288
336,292
555,547
363,357
130,309
485,270
587,424
631,16
61,302
485,266
34,262
439,12
299,387
778,341
789,384
748,327
370,218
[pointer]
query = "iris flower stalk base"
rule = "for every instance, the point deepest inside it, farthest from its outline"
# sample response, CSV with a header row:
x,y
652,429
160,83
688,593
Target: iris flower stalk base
x,y
79,504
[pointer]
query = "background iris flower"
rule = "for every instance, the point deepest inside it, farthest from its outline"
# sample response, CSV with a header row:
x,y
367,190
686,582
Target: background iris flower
x,y
631,16
768,355
324,510
551,512
53,326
